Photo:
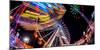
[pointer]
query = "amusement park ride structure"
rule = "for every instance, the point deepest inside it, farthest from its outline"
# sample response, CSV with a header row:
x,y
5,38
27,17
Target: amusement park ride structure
x,y
38,24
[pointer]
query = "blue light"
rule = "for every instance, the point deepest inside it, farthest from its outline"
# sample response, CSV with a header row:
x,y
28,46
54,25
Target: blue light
x,y
40,5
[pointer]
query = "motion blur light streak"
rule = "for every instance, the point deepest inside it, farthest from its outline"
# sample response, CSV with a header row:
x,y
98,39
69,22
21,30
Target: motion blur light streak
x,y
40,24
